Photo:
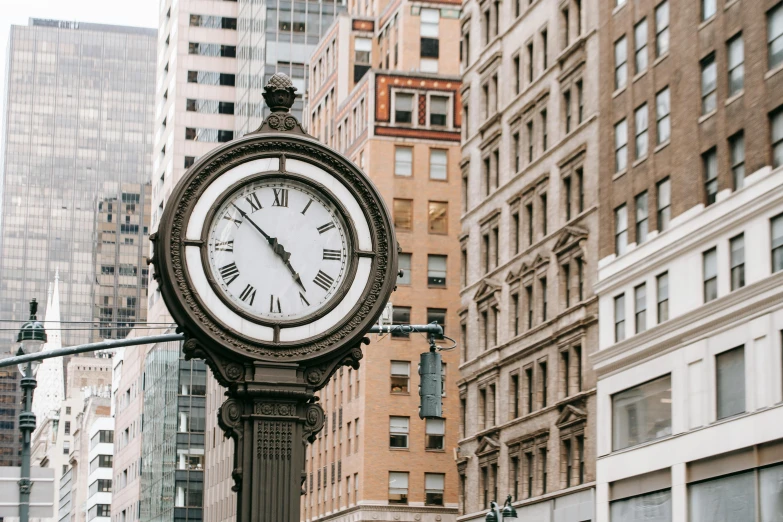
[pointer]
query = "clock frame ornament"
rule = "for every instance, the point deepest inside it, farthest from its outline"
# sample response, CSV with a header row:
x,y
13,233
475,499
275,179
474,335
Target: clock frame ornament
x,y
272,370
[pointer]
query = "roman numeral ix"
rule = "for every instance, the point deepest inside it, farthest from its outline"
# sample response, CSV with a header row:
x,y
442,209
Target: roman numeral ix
x,y
248,293
281,198
323,280
229,273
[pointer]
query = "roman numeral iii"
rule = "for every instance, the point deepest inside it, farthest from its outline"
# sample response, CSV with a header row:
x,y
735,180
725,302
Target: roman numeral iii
x,y
332,255
229,273
248,293
324,228
323,280
281,198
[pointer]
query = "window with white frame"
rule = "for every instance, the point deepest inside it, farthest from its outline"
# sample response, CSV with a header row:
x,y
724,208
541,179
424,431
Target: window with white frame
x,y
398,432
404,264
436,270
620,145
403,161
640,128
439,111
640,307
709,84
620,63
664,193
662,29
438,164
398,487
662,291
435,433
736,64
642,214
403,107
737,159
737,261
620,229
433,489
619,318
642,413
662,115
710,166
710,274
776,124
640,46
775,36
400,376
777,242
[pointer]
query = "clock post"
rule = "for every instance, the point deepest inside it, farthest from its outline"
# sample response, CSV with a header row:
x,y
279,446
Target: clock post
x,y
272,319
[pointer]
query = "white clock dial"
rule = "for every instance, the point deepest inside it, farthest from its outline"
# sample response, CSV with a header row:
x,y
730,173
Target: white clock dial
x,y
278,249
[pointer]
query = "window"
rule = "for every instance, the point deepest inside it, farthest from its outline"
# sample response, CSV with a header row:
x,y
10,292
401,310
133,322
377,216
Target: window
x,y
620,63
99,510
211,49
730,382
404,264
664,204
662,115
619,318
640,46
737,254
709,82
544,215
580,101
544,135
640,125
403,161
662,283
641,218
514,399
635,509
776,123
620,229
434,434
567,110
401,315
775,36
438,217
189,161
733,497
436,270
403,214
710,268
433,488
543,469
398,487
642,413
544,49
66,447
400,376
398,432
710,165
542,283
439,111
437,315
620,146
438,164
517,69
737,159
736,65
403,107
67,427
662,29
777,243
708,9
640,303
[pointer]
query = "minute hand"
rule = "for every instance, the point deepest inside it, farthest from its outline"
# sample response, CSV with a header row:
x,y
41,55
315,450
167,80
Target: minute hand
x,y
277,248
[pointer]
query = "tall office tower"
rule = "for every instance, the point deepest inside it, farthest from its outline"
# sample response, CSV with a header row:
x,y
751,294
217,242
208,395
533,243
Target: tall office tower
x,y
276,37
172,445
77,126
529,251
689,284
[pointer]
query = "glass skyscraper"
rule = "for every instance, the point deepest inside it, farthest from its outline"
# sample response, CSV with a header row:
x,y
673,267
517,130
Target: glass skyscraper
x,y
173,426
77,131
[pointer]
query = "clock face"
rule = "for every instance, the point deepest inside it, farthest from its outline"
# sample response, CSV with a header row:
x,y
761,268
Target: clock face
x,y
278,249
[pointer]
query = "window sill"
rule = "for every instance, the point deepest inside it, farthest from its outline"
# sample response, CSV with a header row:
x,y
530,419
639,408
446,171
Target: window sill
x,y
399,393
772,72
639,76
619,8
435,451
730,4
619,91
661,58
618,175
399,449
707,22
437,287
661,146
707,116
639,162
735,97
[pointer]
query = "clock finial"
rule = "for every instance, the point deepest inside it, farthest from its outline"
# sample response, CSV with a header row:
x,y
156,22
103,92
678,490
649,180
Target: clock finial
x,y
280,93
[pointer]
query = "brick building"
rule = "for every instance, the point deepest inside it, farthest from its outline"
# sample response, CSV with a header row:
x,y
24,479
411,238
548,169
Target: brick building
x,y
384,91
689,282
529,255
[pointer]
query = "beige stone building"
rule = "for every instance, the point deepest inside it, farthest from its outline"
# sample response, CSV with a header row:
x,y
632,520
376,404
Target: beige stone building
x,y
529,243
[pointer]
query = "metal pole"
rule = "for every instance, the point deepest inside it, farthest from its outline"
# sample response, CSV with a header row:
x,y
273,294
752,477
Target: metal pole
x,y
26,426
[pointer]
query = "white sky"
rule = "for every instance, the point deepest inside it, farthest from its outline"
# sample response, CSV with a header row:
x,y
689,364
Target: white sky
x,y
140,13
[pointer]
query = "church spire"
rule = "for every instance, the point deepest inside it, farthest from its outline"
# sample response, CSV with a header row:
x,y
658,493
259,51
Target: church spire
x,y
51,384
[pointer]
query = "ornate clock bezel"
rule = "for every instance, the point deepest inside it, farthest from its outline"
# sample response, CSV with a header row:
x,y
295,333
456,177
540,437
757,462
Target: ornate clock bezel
x,y
170,242
352,252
